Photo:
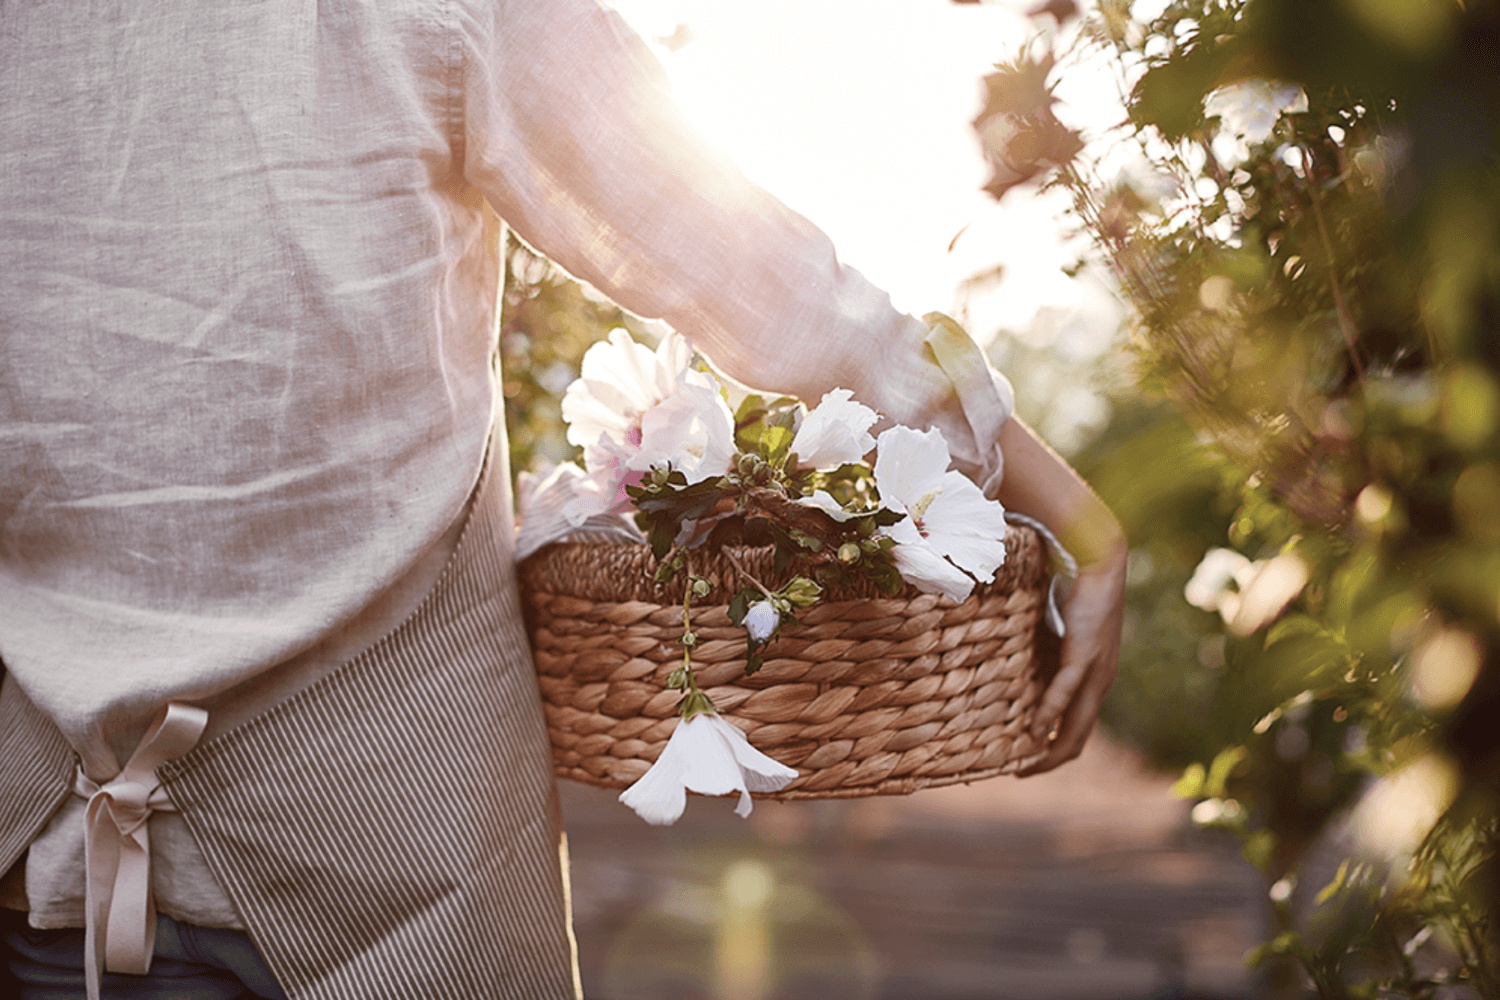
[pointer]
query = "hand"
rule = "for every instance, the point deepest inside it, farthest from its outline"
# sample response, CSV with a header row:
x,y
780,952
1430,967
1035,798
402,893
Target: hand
x,y
1094,614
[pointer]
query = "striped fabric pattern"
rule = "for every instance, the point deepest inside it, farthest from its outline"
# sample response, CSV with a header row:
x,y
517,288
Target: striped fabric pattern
x,y
394,829
36,771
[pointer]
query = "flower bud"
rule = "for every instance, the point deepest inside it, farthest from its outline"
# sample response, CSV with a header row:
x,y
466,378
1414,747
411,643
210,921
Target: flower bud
x,y
761,620
849,552
701,587
802,592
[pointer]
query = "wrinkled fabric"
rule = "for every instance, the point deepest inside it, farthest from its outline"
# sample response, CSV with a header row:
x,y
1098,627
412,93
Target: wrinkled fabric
x,y
249,272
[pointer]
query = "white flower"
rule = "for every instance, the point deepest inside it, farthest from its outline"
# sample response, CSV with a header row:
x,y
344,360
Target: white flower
x,y
761,619
1264,587
1247,113
631,409
950,526
692,431
1277,581
1210,582
602,489
834,433
1249,109
707,755
619,381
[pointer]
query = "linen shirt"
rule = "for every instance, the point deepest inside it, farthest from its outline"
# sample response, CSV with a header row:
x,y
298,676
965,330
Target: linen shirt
x,y
249,274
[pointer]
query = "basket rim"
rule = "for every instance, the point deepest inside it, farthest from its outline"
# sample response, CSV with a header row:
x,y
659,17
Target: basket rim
x,y
618,570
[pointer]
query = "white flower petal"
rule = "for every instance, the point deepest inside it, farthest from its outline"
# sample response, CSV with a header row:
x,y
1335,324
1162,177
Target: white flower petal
x,y
923,566
836,432
624,365
1210,581
759,772
824,501
948,516
659,796
908,465
965,526
711,756
593,410
761,619
763,773
1248,109
1265,595
673,355
692,431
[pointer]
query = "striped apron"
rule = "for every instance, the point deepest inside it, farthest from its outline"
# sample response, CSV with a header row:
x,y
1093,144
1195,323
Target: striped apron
x,y
391,830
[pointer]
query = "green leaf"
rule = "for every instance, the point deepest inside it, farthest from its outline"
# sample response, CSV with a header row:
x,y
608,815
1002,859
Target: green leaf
x,y
775,442
1220,770
780,559
1170,95
1190,785
739,604
1329,890
1294,625
749,423
1259,849
1284,943
662,533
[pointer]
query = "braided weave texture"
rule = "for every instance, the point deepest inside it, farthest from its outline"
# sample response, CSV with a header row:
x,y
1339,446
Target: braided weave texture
x,y
868,695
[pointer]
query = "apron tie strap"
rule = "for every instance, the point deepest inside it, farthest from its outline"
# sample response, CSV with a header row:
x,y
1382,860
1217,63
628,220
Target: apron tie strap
x,y
120,919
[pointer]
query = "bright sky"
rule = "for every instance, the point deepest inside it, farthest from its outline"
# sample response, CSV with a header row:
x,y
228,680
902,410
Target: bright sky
x,y
857,113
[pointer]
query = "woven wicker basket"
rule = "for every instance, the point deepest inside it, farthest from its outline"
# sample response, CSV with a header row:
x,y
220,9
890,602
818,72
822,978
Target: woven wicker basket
x,y
869,695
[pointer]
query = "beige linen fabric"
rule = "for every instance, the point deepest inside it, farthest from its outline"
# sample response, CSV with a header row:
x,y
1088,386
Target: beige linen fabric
x,y
249,269
391,829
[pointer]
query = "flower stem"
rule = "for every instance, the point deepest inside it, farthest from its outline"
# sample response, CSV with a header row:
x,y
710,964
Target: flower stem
x,y
746,574
688,639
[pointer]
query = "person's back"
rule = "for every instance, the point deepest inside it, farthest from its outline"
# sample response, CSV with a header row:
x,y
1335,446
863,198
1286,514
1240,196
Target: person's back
x,y
245,330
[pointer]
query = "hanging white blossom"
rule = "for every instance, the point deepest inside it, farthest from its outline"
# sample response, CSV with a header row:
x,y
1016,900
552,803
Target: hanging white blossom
x,y
711,756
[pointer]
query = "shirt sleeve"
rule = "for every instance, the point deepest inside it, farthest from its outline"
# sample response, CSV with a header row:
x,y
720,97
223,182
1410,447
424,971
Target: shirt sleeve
x,y
570,132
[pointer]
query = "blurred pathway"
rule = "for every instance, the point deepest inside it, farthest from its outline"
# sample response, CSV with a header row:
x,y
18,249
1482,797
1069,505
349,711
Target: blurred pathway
x,y
1087,883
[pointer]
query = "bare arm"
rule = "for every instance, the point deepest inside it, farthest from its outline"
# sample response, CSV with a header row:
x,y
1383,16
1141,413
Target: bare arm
x,y
1039,483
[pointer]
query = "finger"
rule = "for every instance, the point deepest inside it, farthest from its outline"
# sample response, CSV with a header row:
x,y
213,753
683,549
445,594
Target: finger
x,y
1071,674
1072,735
1078,719
1092,612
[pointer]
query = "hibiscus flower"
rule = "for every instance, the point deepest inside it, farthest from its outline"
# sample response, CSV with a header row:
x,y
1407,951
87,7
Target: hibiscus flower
x,y
951,534
834,433
711,756
632,409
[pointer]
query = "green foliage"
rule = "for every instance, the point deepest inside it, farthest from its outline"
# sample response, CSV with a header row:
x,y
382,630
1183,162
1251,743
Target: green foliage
x,y
1315,304
755,504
